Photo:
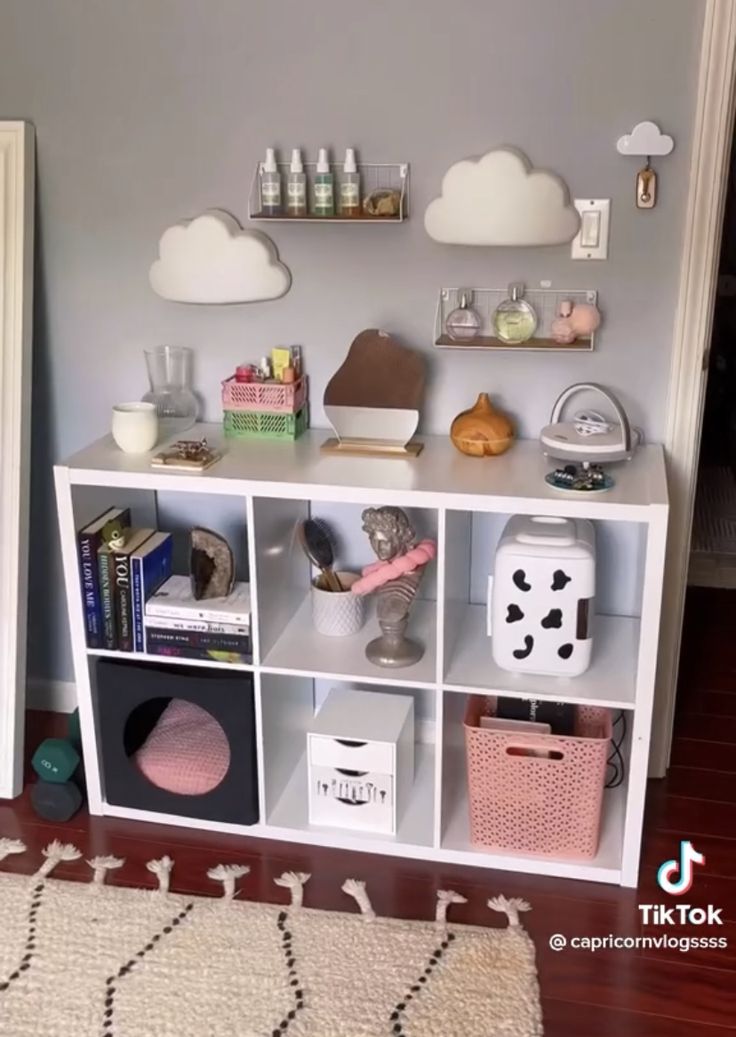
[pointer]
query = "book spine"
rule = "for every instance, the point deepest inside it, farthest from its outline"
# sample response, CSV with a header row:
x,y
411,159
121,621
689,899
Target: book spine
x,y
169,610
166,623
203,654
90,579
195,639
136,579
109,639
122,599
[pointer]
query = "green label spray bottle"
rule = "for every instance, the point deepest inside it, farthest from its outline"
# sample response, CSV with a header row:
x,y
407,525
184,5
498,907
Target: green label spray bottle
x,y
324,187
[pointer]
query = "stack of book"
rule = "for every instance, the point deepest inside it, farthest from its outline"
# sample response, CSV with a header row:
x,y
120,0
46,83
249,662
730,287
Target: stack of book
x,y
116,581
216,629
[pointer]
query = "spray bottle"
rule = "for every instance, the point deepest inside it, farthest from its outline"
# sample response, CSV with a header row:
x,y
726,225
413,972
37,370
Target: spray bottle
x,y
270,185
350,186
324,187
296,186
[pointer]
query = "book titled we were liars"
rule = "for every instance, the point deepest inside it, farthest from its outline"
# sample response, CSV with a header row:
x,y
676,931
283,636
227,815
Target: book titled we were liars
x,y
216,629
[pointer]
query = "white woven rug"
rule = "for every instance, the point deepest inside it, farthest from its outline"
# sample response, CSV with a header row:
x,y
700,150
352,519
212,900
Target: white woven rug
x,y
93,960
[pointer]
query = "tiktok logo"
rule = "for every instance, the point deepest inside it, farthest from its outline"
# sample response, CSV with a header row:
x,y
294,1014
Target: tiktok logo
x,y
689,856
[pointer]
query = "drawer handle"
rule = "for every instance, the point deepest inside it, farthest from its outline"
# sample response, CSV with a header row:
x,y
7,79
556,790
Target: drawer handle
x,y
352,802
349,743
351,774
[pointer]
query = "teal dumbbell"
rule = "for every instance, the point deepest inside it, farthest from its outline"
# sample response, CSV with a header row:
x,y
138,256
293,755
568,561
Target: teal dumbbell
x,y
57,801
55,760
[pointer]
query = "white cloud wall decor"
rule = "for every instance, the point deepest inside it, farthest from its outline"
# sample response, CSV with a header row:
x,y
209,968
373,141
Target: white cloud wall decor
x,y
645,139
500,199
211,259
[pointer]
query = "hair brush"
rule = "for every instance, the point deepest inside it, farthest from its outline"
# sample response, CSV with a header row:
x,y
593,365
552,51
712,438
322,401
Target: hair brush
x,y
318,545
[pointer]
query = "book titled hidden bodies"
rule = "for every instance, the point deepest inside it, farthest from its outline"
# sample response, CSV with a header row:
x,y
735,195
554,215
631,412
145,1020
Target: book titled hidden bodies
x,y
127,576
89,541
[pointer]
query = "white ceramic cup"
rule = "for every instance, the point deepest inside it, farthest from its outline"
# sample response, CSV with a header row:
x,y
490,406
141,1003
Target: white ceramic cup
x,y
335,613
135,427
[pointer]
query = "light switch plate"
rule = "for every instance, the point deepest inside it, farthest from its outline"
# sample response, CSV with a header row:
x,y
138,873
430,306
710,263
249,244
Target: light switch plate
x,y
591,241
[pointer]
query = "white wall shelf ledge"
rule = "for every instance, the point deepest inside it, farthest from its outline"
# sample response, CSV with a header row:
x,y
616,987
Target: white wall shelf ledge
x,y
463,504
610,681
301,650
439,477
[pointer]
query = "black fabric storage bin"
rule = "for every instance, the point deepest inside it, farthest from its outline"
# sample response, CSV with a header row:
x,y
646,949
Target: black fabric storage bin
x,y
121,687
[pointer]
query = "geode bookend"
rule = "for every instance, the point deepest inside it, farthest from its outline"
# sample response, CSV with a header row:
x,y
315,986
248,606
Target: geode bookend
x,y
211,565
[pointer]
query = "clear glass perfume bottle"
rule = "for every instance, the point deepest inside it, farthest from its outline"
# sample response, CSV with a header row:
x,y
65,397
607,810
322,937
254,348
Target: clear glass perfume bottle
x,y
514,320
464,323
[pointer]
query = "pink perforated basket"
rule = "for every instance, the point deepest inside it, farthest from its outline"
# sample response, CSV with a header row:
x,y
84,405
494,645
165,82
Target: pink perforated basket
x,y
548,806
264,396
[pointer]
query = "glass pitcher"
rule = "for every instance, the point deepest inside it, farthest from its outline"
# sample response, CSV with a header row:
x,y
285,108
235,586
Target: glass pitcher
x,y
170,375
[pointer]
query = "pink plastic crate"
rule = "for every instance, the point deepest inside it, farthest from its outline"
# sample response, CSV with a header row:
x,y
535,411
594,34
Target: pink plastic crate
x,y
548,806
264,396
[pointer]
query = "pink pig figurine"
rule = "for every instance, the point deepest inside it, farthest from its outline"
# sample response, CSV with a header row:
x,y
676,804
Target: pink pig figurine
x,y
562,328
578,320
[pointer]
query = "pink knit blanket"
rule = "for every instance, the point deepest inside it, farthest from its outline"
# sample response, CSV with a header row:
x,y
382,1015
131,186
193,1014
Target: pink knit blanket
x,y
377,574
187,751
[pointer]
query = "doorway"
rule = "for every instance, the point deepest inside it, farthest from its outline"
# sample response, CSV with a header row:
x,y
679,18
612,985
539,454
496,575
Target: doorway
x,y
713,544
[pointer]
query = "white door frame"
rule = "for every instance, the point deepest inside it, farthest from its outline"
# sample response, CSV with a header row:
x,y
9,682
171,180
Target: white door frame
x,y
16,296
712,139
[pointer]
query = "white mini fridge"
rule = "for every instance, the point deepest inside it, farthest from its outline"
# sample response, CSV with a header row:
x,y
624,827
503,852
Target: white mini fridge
x,y
541,596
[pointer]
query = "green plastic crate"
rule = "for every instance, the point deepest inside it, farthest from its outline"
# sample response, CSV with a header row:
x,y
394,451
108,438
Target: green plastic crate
x,y
256,424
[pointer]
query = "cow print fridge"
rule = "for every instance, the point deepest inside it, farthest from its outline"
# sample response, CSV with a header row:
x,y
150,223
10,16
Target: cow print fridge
x,y
541,596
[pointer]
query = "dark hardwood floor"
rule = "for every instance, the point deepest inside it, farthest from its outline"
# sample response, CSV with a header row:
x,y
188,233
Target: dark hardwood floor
x,y
611,993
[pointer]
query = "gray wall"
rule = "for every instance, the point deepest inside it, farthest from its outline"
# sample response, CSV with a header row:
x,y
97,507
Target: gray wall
x,y
148,111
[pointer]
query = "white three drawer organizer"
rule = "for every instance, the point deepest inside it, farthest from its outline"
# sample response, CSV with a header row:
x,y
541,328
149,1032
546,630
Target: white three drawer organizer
x,y
464,504
361,760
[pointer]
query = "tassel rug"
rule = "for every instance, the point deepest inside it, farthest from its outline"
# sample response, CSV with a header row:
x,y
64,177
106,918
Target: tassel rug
x,y
94,960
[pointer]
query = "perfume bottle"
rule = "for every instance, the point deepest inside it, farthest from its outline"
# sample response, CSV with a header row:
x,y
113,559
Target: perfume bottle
x,y
296,186
324,187
270,185
514,320
463,324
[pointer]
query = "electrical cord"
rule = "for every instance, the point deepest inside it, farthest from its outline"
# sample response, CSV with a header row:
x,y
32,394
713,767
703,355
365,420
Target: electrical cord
x,y
616,761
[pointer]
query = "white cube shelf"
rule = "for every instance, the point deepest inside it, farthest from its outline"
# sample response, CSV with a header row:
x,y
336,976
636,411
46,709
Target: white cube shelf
x,y
463,503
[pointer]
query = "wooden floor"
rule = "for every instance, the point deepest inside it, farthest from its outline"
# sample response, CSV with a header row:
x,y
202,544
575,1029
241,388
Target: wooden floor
x,y
644,993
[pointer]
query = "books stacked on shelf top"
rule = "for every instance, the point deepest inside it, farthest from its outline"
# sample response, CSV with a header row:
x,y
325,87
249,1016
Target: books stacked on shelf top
x,y
215,629
117,577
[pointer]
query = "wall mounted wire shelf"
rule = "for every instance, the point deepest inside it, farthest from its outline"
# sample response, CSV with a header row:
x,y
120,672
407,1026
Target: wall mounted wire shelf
x,y
390,176
545,302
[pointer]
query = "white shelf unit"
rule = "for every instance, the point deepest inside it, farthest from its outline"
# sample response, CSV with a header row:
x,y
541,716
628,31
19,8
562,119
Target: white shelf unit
x,y
461,501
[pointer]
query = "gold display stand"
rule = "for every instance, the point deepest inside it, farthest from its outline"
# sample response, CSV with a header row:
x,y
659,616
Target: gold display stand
x,y
370,448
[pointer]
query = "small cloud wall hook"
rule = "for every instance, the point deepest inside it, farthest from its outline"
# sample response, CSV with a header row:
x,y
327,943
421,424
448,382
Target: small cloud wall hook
x,y
646,139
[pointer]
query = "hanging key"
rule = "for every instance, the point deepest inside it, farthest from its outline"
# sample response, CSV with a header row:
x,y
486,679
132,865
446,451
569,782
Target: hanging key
x,y
646,187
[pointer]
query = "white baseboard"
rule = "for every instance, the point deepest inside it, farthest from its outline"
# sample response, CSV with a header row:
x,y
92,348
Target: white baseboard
x,y
55,696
